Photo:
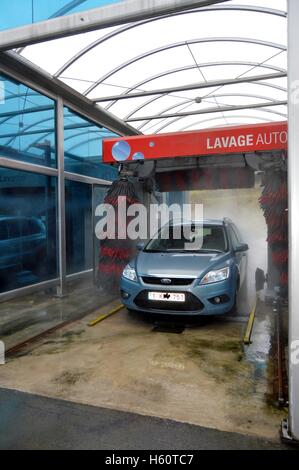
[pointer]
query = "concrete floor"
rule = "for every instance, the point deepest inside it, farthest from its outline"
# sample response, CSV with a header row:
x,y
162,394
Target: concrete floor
x,y
201,376
55,424
30,315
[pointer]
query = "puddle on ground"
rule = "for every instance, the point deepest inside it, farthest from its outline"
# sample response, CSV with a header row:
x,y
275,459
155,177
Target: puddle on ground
x,y
258,352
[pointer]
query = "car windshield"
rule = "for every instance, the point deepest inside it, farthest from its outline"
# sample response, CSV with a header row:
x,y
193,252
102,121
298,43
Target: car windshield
x,y
189,238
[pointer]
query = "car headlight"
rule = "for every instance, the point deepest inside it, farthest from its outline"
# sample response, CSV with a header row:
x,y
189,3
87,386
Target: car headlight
x,y
130,273
216,276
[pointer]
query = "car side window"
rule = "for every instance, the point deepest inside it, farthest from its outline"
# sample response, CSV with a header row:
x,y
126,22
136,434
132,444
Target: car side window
x,y
237,234
3,231
30,227
14,229
234,239
35,228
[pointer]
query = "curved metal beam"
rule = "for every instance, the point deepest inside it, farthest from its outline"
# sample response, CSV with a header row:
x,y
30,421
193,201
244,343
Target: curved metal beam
x,y
230,117
13,114
67,8
265,84
25,129
141,106
216,119
162,120
66,138
20,114
181,44
183,117
210,110
220,95
46,132
35,109
41,137
193,67
195,86
125,28
102,132
82,143
221,117
21,95
245,95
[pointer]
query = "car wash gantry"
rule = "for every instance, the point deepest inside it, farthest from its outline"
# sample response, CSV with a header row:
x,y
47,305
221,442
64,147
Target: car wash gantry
x,y
225,158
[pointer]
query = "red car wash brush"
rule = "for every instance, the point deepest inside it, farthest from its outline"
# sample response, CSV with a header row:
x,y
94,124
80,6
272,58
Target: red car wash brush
x,y
115,252
274,203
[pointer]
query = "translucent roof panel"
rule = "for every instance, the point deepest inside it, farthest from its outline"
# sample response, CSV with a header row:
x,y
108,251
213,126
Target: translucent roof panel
x,y
27,124
15,13
83,147
178,63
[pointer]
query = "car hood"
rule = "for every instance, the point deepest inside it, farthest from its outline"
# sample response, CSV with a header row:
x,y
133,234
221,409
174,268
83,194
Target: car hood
x,y
178,264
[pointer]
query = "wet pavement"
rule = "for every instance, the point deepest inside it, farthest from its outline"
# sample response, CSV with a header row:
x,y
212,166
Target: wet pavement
x,y
200,374
21,319
258,352
33,422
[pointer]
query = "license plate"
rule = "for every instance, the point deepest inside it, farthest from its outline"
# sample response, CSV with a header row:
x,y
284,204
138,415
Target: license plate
x,y
166,296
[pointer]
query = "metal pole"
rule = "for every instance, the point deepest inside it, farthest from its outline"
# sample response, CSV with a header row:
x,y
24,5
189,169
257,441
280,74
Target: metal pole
x,y
61,290
194,86
293,175
103,17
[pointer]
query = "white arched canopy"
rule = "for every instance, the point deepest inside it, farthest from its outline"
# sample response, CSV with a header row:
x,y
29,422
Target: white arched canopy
x,y
172,73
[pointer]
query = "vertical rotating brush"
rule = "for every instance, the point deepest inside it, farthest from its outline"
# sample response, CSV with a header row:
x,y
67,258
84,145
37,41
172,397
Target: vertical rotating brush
x,y
274,203
115,253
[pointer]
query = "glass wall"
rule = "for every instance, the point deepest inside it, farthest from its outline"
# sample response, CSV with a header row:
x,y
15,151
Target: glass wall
x,y
29,205
83,147
79,230
27,124
28,228
99,193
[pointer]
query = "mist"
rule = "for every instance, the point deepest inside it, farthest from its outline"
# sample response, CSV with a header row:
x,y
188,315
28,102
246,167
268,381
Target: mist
x,y
243,208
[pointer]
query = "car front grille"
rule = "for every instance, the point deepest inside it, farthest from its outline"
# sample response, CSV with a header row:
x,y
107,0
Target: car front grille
x,y
191,304
175,281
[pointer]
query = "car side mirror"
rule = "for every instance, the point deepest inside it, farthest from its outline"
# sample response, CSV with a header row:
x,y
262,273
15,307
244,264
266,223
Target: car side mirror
x,y
242,248
140,246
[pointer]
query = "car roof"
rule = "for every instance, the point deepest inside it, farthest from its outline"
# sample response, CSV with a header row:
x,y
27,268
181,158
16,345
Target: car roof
x,y
202,222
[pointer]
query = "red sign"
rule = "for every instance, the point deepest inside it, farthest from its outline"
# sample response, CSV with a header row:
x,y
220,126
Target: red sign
x,y
266,137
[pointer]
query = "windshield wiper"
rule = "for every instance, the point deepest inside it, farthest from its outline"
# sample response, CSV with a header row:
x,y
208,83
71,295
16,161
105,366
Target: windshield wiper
x,y
195,251
170,250
209,250
155,251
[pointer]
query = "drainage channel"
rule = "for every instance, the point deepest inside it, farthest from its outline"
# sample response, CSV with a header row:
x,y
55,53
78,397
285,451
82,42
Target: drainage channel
x,y
18,347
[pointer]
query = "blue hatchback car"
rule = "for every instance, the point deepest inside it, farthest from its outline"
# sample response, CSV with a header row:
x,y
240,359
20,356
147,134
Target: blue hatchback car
x,y
170,276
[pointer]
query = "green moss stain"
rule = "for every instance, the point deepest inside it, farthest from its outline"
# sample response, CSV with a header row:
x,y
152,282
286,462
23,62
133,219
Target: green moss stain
x,y
69,378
